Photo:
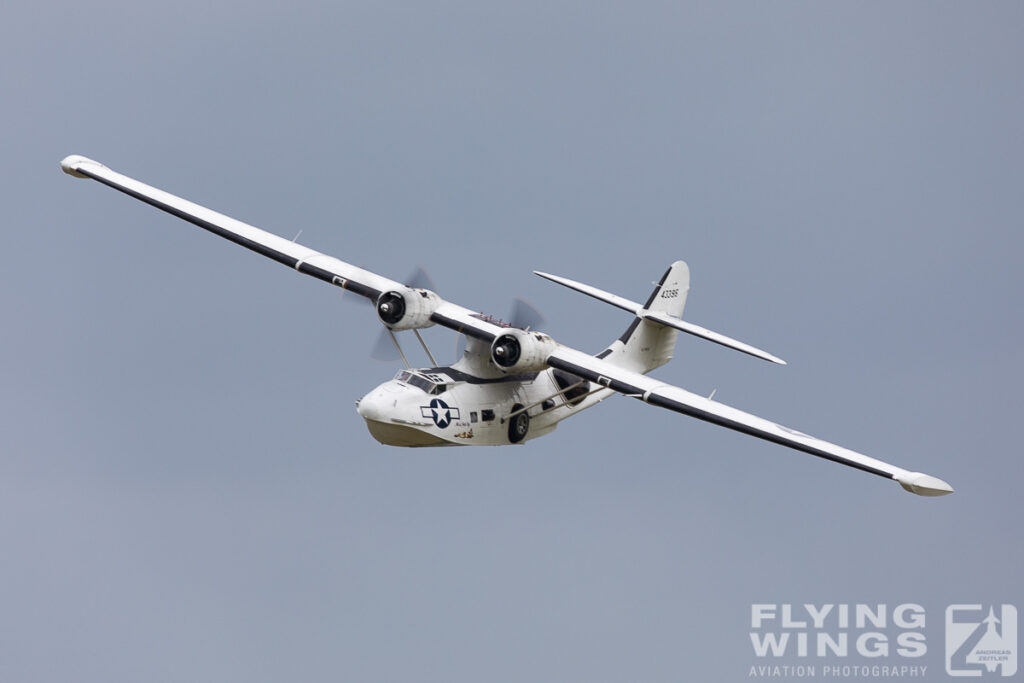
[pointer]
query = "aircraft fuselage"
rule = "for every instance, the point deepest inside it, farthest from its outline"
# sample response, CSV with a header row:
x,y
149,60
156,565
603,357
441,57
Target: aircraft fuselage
x,y
447,407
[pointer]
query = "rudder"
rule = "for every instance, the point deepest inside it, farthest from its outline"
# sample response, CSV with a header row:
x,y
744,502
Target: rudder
x,y
669,296
644,345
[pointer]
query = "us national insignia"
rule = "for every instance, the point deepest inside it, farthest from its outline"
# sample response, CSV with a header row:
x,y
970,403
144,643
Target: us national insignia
x,y
440,413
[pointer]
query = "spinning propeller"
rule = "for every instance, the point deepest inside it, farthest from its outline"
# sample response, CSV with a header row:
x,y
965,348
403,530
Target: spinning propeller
x,y
383,348
523,316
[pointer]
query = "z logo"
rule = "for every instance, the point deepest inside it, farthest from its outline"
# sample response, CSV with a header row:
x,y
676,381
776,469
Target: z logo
x,y
979,645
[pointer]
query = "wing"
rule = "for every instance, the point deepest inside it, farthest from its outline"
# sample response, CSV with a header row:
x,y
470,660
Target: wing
x,y
303,259
674,398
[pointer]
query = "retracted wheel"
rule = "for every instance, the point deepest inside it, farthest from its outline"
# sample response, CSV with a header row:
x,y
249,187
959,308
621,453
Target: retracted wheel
x,y
518,425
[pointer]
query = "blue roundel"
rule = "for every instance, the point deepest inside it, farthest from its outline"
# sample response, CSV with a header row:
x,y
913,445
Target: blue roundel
x,y
441,413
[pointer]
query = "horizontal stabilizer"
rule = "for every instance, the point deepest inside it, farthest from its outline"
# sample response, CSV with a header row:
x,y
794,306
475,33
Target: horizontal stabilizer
x,y
703,333
661,318
608,298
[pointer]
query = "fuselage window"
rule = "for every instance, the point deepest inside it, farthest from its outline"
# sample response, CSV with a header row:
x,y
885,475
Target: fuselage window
x,y
472,416
487,415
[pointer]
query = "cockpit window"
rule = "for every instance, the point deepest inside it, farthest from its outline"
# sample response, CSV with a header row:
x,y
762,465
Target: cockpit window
x,y
431,384
420,382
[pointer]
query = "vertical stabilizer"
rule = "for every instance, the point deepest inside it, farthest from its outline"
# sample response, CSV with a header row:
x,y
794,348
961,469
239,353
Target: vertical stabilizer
x,y
644,345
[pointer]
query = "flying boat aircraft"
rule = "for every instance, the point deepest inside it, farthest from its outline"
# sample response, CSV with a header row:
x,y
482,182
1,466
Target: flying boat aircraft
x,y
512,383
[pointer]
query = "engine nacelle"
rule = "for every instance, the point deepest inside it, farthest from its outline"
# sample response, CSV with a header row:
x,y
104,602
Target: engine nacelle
x,y
407,309
516,351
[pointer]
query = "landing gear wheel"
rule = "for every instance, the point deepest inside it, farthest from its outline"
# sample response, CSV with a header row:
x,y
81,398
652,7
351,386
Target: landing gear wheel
x,y
518,425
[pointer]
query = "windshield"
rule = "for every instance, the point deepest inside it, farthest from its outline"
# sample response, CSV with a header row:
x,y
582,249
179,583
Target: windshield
x,y
414,379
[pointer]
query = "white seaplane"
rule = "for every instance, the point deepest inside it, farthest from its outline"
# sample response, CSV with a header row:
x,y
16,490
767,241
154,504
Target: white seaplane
x,y
512,384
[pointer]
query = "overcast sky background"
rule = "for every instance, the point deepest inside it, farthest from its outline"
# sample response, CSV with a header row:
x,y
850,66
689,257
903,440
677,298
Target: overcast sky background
x,y
186,490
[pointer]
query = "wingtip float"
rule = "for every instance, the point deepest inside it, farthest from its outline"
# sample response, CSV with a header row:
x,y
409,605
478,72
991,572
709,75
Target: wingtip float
x,y
511,385
71,163
924,485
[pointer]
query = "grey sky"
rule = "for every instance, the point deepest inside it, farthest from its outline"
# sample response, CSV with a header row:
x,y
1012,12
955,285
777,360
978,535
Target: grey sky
x,y
186,491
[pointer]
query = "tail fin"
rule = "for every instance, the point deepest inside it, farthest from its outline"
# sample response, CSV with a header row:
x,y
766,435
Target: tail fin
x,y
645,345
650,339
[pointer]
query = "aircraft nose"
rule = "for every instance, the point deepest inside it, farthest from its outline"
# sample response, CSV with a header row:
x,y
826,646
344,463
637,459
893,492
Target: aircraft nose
x,y
378,404
370,406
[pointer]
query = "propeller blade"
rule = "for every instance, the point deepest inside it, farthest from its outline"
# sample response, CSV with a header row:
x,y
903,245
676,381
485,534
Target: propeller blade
x,y
420,279
384,349
417,279
525,316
